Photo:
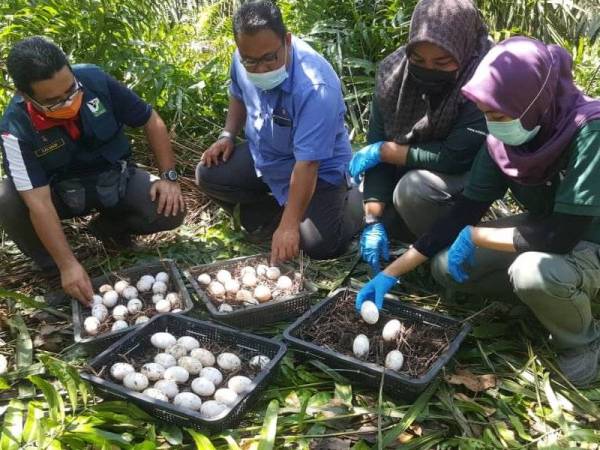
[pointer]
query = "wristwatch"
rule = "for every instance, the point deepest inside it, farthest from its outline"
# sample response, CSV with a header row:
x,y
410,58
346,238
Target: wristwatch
x,y
169,175
226,135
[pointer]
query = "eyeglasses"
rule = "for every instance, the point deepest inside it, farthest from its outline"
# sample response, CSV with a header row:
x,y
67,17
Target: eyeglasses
x,y
76,87
250,63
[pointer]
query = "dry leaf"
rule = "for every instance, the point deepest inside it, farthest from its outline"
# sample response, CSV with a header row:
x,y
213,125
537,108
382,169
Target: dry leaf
x,y
475,383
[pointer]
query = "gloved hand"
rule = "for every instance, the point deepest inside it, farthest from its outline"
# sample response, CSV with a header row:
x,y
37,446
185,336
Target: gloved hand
x,y
461,255
364,159
375,290
374,245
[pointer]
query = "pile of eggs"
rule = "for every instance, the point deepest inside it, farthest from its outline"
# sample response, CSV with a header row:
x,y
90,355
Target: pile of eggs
x,y
120,306
390,333
189,376
248,286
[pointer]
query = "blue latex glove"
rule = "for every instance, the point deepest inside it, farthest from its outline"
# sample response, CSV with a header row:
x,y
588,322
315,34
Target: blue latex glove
x,y
461,255
375,290
364,159
374,245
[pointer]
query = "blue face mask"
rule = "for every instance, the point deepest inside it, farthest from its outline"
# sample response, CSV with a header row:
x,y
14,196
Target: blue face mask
x,y
511,132
269,80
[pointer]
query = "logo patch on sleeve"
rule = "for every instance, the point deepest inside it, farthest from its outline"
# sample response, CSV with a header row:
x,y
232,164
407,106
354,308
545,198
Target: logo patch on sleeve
x,y
96,107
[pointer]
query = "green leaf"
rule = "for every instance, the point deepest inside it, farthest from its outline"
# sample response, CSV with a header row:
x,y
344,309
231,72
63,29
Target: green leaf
x,y
269,428
56,407
33,430
231,442
201,441
172,434
344,393
491,330
12,428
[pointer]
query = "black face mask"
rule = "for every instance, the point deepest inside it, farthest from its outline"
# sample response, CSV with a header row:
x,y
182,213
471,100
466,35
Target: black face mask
x,y
431,81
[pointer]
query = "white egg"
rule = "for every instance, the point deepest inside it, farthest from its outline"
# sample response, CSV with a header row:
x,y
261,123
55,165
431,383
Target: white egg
x,y
120,312
177,351
100,312
249,280
3,364
120,369
243,295
159,288
225,308
153,371
110,299
163,306
176,310
105,288
203,387
212,374
119,325
157,298
173,299
360,346
204,279
167,387
134,306
211,409
247,270
155,394
204,356
130,292
232,286
163,340
229,362
188,342
135,381
394,360
226,396
145,283
165,360
188,400
177,374
273,273
192,365
262,294
216,289
369,312
120,286
142,319
391,330
284,282
91,325
223,276
239,384
97,300
162,276
261,270
259,361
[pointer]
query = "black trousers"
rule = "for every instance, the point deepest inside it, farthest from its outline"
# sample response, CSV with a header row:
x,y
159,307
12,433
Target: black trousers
x,y
135,214
332,218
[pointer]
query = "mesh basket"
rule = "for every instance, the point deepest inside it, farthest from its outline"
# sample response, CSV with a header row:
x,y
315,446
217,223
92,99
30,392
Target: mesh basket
x,y
255,315
395,384
176,284
136,344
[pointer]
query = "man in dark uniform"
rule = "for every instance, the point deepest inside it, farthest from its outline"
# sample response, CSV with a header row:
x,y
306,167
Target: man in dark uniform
x,y
66,155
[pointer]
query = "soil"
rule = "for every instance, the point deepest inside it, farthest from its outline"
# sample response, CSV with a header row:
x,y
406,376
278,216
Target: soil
x,y
420,343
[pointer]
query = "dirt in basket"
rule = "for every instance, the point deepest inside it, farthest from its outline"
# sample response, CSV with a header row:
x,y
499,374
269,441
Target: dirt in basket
x,y
420,343
235,268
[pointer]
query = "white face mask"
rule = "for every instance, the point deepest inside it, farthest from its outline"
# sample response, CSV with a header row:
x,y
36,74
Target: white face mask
x,y
269,80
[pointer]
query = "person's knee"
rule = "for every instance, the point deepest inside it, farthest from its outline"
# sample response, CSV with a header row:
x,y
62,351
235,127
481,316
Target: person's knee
x,y
9,198
317,246
203,176
412,190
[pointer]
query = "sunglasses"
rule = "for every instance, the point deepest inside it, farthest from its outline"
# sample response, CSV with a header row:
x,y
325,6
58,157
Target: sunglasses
x,y
75,89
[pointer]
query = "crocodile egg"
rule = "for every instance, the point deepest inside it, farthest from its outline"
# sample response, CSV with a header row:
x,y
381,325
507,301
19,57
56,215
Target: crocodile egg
x,y
212,374
216,289
173,298
141,319
91,325
177,374
176,310
130,292
165,360
243,295
273,273
153,371
239,384
391,330
157,298
203,387
188,400
120,369
119,325
225,308
249,280
163,306
284,282
226,396
162,276
134,306
204,356
259,361
232,286
163,340
105,288
135,381
229,362
120,312
360,346
261,270
204,279
188,342
97,300
394,360
120,286
155,394
192,365
110,299
369,312
177,351
262,294
247,270
159,288
167,387
223,276
211,409
145,283
100,312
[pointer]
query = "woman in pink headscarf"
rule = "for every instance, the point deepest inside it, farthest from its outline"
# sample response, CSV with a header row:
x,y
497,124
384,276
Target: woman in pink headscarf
x,y
543,146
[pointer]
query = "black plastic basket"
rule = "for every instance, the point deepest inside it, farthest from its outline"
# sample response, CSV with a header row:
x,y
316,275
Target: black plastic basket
x,y
395,384
133,273
255,315
137,344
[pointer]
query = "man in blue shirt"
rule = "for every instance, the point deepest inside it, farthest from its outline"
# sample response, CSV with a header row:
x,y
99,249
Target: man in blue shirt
x,y
66,155
291,174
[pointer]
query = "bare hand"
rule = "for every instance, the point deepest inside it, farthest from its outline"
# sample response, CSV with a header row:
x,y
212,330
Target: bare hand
x,y
217,153
285,244
170,198
76,283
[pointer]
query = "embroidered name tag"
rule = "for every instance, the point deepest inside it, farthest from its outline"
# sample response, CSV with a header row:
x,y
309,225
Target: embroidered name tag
x,y
43,151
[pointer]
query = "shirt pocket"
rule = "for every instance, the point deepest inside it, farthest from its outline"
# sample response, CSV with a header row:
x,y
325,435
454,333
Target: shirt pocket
x,y
281,139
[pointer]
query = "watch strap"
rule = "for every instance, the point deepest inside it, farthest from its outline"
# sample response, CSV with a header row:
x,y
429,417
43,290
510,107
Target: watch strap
x,y
226,135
